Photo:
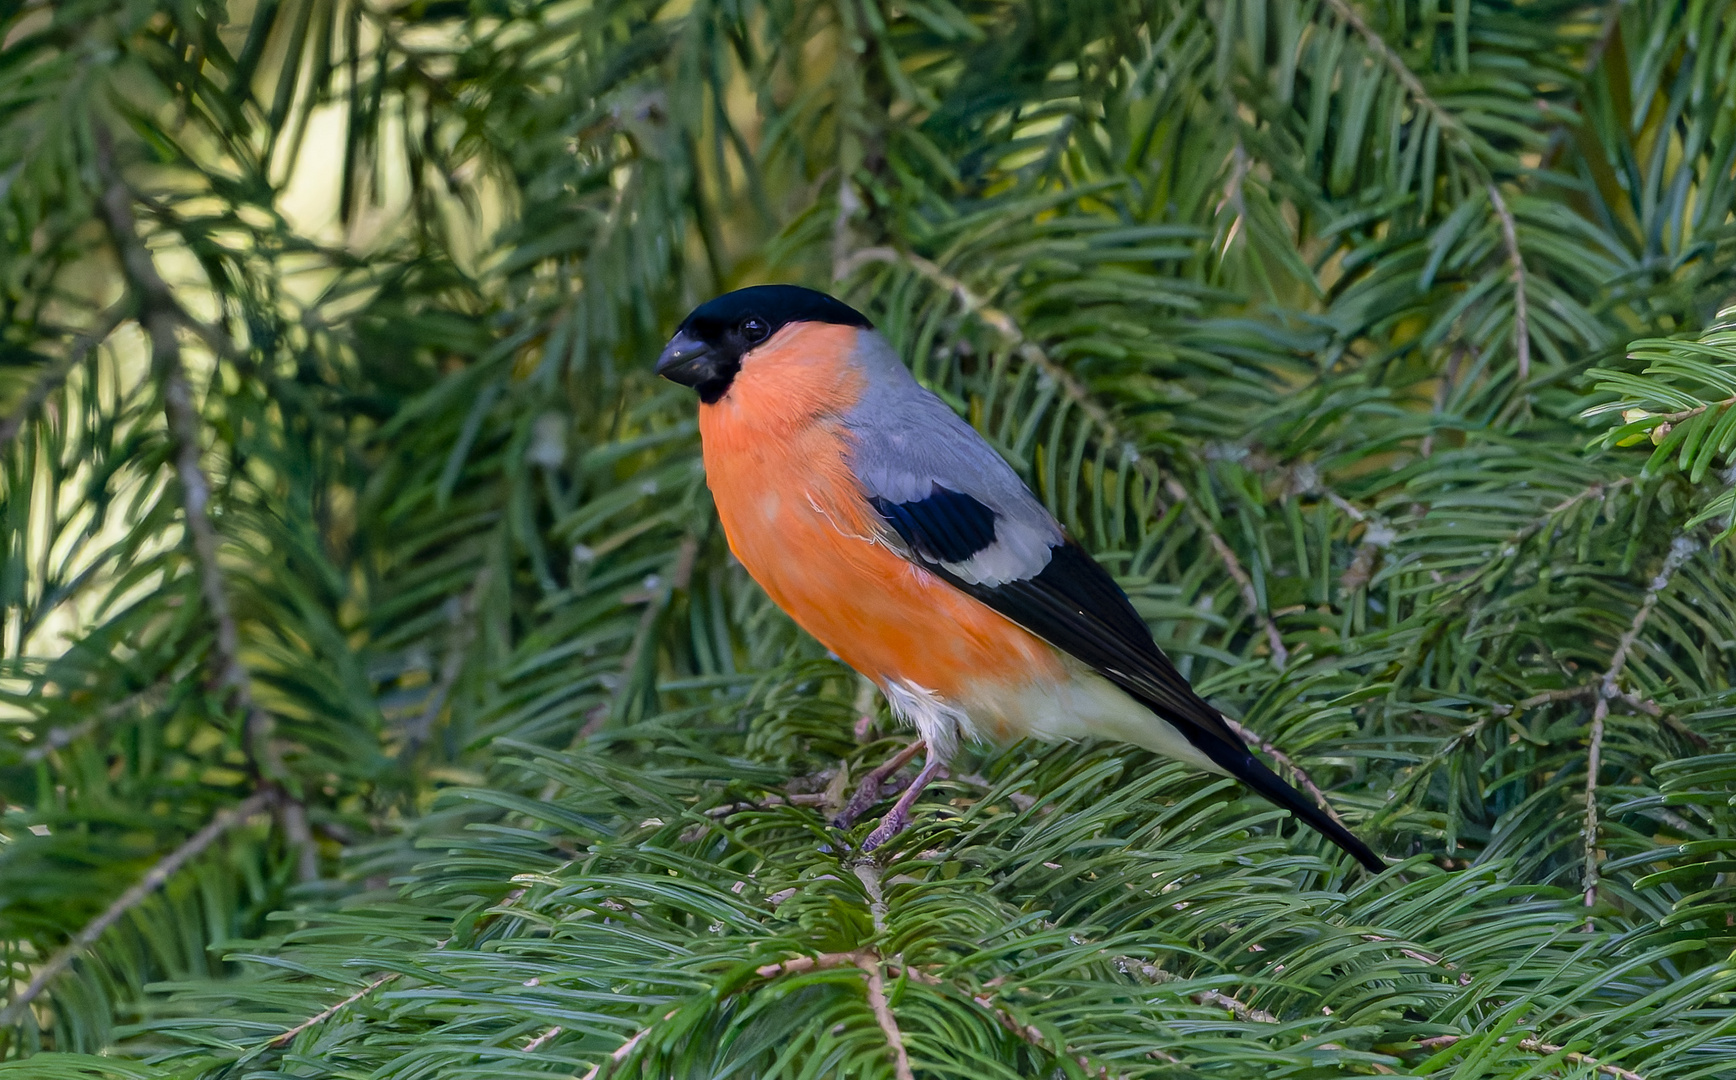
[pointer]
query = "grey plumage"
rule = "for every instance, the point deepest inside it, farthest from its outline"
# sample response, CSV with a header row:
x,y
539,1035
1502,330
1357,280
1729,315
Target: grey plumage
x,y
907,441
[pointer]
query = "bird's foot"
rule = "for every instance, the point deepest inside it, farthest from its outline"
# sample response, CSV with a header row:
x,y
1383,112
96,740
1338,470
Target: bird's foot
x,y
897,819
868,791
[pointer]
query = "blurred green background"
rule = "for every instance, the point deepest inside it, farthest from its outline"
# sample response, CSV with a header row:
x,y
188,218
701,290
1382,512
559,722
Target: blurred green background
x,y
378,697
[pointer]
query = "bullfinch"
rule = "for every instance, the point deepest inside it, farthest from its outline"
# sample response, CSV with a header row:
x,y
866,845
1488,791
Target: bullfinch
x,y
890,531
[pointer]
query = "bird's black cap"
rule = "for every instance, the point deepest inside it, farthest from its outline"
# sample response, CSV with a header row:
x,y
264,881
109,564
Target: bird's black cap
x,y
706,351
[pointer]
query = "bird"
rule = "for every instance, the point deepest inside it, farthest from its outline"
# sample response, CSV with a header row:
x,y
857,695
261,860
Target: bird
x,y
895,535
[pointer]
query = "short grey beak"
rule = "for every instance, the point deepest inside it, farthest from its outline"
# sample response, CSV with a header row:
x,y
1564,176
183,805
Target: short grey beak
x,y
686,360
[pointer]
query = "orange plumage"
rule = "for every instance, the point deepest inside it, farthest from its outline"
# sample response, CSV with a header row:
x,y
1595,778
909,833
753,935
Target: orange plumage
x,y
776,461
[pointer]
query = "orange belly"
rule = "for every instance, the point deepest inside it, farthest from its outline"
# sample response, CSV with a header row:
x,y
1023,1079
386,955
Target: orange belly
x,y
797,521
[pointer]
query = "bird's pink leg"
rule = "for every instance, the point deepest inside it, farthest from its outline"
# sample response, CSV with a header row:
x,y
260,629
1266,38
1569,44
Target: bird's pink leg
x,y
898,817
868,791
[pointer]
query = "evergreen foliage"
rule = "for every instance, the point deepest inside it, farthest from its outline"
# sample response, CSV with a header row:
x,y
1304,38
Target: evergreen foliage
x,y
380,699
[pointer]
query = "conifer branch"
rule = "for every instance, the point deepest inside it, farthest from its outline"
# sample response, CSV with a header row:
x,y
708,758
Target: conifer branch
x,y
327,1013
153,879
161,316
537,1043
1461,143
1301,777
1681,549
872,963
620,1054
1226,555
1413,85
1521,313
888,1023
1537,1046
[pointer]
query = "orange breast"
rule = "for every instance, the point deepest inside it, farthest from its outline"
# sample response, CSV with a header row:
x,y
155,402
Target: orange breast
x,y
775,459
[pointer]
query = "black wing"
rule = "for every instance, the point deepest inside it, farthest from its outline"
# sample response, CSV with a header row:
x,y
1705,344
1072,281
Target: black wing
x,y
1076,606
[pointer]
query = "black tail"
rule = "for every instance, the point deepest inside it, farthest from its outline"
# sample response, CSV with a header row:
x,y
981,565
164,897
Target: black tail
x,y
1253,772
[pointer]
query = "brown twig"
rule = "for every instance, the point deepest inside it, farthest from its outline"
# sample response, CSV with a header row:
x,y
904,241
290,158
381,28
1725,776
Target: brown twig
x,y
888,1023
1401,70
622,1052
1627,697
1459,140
817,798
868,873
60,737
1254,739
1680,550
58,372
165,868
537,1043
161,316
1240,1010
326,1014
1536,1046
1521,313
1274,640
871,963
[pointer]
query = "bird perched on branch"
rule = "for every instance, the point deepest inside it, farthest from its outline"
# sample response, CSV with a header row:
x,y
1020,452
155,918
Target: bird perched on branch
x,y
888,529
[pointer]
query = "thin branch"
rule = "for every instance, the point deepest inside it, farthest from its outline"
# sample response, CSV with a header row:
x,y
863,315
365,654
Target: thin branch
x,y
1274,640
1151,973
57,374
888,1023
1627,697
1683,414
1240,1010
1254,739
1536,1046
1521,313
1459,140
1680,550
283,1039
1413,85
161,316
622,1053
60,737
871,963
868,873
326,1014
165,868
817,798
537,1043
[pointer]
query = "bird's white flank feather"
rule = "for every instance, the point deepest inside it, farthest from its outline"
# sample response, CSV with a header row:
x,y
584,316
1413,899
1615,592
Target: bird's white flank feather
x,y
939,722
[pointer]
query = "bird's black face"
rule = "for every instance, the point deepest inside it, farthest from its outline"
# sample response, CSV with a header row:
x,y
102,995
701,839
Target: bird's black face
x,y
708,349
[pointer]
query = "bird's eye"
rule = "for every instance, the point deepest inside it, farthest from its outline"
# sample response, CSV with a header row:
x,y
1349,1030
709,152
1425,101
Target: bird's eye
x,y
754,330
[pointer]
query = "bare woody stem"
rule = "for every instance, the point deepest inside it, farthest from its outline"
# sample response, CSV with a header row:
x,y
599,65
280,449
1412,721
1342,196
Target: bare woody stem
x,y
1521,312
1537,1046
326,1014
162,317
1459,141
1253,738
165,868
1680,550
